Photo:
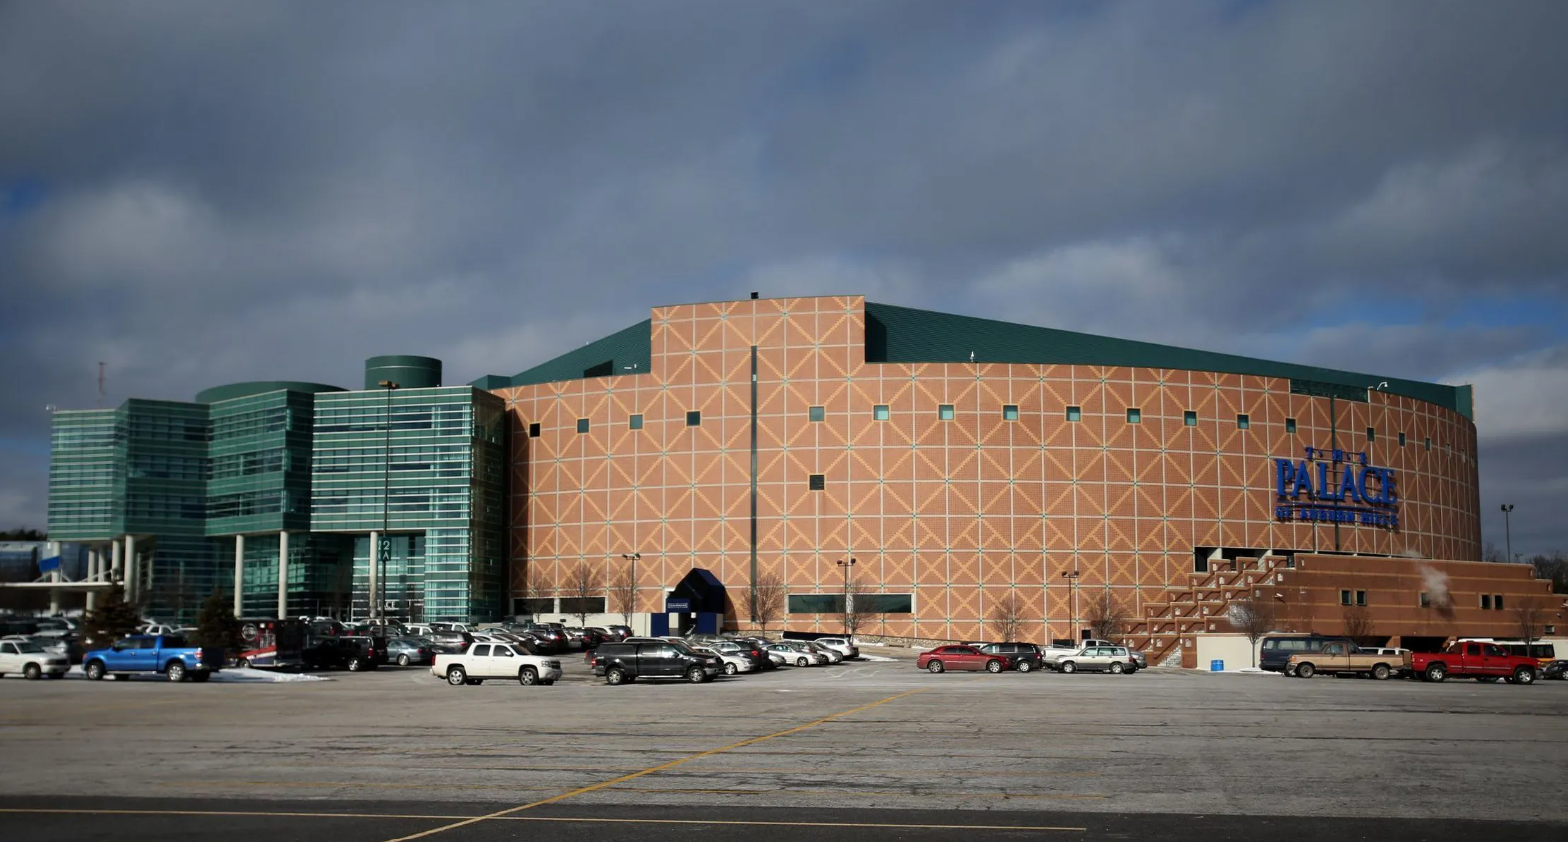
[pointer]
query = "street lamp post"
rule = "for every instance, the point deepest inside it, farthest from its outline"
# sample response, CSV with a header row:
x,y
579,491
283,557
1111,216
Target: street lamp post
x,y
384,552
1072,579
631,560
846,565
1508,535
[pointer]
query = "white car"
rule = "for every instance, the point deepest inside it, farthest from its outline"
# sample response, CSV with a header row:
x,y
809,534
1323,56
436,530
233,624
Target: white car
x,y
735,661
1112,659
834,656
31,660
842,645
495,660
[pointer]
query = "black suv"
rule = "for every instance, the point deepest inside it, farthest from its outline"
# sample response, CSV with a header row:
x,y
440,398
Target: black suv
x,y
1276,650
350,652
620,663
1025,657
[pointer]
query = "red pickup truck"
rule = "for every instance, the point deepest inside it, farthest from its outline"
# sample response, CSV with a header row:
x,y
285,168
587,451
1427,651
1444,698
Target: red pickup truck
x,y
1468,659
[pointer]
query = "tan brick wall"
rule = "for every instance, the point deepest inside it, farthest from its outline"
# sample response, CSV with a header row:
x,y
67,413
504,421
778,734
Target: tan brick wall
x,y
957,512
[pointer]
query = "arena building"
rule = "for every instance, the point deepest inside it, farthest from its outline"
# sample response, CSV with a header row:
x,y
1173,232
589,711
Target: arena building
x,y
961,464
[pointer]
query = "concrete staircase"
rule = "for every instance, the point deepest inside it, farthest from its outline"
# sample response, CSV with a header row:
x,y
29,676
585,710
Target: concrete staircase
x,y
1206,597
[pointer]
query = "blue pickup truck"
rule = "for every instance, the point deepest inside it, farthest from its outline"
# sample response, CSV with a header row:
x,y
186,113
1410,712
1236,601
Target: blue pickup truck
x,y
169,654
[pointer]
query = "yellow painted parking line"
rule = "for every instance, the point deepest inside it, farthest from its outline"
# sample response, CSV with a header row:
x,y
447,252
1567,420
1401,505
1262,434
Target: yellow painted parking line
x,y
558,819
659,768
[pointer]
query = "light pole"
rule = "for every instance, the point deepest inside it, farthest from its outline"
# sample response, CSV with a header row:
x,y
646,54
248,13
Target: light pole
x,y
1508,535
631,560
1072,580
384,552
846,565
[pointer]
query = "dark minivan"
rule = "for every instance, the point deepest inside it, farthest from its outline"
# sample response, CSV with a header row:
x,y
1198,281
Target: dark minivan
x,y
623,662
1277,648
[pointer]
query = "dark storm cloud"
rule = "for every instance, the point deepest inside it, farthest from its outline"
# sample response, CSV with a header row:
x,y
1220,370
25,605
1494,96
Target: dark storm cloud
x,y
221,193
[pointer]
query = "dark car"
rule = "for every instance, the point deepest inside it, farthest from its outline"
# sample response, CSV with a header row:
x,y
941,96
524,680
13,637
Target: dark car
x,y
1556,670
620,663
1024,657
550,640
618,633
350,652
1277,648
410,651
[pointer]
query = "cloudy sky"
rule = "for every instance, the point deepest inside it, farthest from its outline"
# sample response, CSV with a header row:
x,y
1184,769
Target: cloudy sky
x,y
204,193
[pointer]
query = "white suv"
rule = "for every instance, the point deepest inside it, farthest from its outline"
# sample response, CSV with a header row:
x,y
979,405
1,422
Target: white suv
x,y
1112,659
842,645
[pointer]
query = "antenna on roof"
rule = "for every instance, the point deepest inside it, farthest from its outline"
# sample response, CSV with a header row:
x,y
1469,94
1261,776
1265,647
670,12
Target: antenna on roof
x,y
100,384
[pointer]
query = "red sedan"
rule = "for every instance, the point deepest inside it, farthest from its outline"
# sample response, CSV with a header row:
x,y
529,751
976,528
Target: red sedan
x,y
944,658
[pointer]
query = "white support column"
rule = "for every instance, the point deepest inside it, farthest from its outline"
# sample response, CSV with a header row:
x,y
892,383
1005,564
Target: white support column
x,y
283,574
94,568
132,587
239,574
114,561
375,553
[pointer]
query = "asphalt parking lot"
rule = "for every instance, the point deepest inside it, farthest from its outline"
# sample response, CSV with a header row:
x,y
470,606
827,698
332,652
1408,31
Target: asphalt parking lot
x,y
861,748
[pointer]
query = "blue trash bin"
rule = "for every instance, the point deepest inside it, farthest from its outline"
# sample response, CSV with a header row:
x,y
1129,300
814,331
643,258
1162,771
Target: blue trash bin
x,y
1216,666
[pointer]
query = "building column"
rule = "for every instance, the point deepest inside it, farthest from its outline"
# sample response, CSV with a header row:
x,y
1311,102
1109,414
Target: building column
x,y
94,567
114,561
283,574
375,553
239,574
132,587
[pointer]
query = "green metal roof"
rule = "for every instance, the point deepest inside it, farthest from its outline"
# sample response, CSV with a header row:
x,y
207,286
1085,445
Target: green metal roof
x,y
906,335
260,387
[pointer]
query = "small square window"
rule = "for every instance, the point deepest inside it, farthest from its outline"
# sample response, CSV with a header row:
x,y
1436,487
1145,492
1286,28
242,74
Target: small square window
x,y
1497,602
945,412
582,425
1361,598
1371,435
1344,597
817,482
1428,443
634,422
1074,413
1486,602
694,418
533,430
1426,600
879,412
816,413
1134,416
1243,422
1010,412
1189,418
1401,439
1290,425
1549,629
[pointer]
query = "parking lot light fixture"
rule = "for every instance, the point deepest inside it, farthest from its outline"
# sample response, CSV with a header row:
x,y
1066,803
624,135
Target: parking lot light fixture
x,y
1072,577
383,553
845,565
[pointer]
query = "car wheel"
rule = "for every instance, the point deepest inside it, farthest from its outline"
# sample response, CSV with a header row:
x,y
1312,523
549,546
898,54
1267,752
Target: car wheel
x,y
730,669
1524,675
527,676
1305,671
1068,667
355,665
614,676
31,672
242,664
402,660
1380,672
1436,672
993,666
935,666
802,662
695,675
175,671
1025,666
456,677
1117,668
1290,672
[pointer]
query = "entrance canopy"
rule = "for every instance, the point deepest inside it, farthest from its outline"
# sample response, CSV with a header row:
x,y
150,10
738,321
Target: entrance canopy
x,y
700,591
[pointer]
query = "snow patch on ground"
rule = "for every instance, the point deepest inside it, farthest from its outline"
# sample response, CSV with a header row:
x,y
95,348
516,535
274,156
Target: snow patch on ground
x,y
865,657
229,676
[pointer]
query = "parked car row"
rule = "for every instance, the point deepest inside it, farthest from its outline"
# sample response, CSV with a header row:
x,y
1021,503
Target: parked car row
x,y
1093,656
1487,661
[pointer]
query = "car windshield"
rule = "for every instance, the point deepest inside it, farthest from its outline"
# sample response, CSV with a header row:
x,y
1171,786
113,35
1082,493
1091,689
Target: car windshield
x,y
27,646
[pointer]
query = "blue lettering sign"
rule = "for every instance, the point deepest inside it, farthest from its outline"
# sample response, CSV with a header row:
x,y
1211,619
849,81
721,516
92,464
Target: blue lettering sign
x,y
1347,489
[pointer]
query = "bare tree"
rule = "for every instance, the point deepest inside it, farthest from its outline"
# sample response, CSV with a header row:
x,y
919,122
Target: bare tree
x,y
858,608
767,600
1358,623
1253,617
622,593
1107,618
1007,617
1492,553
1531,615
1553,567
581,587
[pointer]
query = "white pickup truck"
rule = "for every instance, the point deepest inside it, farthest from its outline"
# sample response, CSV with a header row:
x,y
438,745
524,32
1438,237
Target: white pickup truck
x,y
494,660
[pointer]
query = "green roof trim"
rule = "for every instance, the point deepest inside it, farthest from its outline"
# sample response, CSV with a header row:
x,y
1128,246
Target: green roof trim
x,y
906,335
260,387
629,348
